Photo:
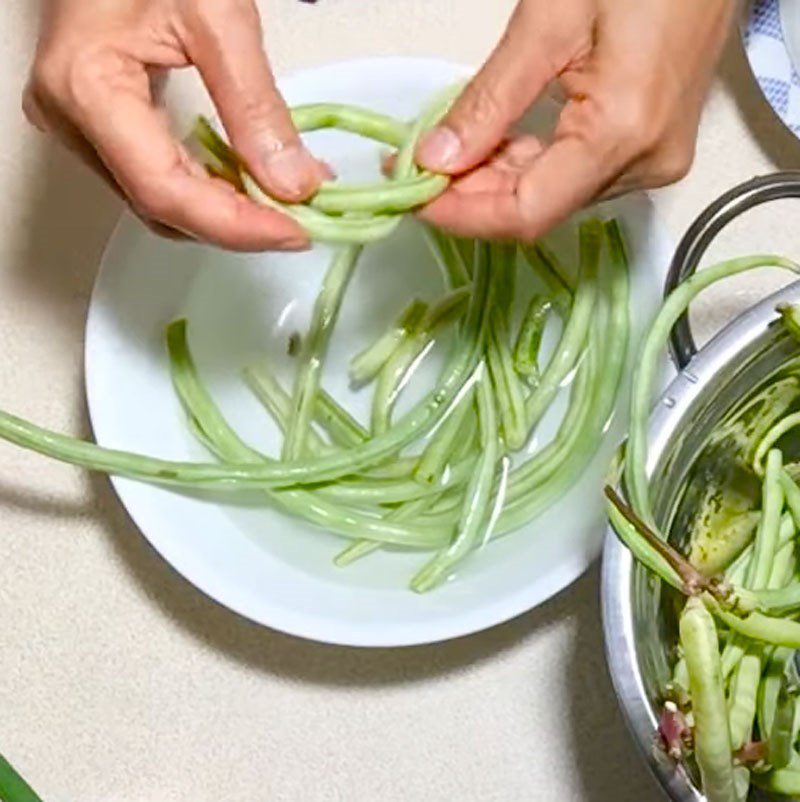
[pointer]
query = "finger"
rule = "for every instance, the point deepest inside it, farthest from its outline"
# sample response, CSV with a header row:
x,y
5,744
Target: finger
x,y
564,178
160,230
162,182
518,154
501,175
498,96
624,185
227,48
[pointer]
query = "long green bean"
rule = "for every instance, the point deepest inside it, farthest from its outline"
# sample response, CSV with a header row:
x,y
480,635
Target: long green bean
x,y
401,364
321,227
609,342
573,338
780,735
783,426
13,787
647,364
792,494
529,338
435,457
229,446
414,508
448,256
743,697
354,119
315,346
339,213
772,679
366,365
475,517
545,265
510,400
712,743
415,423
392,197
278,403
785,782
770,566
343,430
767,534
757,626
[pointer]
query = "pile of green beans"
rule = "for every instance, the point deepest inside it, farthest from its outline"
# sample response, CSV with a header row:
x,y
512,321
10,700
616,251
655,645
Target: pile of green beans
x,y
447,476
732,707
456,469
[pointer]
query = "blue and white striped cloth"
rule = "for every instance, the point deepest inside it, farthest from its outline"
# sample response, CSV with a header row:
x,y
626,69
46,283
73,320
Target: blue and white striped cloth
x,y
771,63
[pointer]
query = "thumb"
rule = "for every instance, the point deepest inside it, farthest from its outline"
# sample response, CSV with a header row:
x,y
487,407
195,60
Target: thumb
x,y
228,51
513,77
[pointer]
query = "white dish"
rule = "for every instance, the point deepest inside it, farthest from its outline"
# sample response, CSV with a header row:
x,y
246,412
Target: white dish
x,y
272,569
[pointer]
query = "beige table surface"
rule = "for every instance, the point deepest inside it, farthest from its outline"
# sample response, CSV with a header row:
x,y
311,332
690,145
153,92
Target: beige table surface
x,y
120,682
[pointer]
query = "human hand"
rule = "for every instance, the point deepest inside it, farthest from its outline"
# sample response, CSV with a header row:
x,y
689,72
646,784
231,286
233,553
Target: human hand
x,y
94,83
635,74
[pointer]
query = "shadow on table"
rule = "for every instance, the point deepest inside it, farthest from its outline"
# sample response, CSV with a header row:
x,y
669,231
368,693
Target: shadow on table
x,y
70,219
604,754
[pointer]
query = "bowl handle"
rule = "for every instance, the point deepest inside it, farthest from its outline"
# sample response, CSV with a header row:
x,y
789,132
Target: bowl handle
x,y
701,232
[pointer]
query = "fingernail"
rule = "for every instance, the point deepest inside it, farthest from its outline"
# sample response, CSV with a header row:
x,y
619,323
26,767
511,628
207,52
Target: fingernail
x,y
292,172
439,148
295,244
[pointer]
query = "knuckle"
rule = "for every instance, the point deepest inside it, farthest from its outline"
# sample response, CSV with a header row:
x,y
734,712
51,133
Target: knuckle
x,y
263,112
478,106
66,79
671,165
151,201
47,74
86,70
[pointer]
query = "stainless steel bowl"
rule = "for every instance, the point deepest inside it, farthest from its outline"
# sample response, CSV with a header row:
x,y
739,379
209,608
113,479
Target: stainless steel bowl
x,y
711,381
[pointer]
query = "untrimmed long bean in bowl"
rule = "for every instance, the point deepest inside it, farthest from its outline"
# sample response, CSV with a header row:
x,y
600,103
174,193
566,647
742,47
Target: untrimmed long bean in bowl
x,y
728,564
446,475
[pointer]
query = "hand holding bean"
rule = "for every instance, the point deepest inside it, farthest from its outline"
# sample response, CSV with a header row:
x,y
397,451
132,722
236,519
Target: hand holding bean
x,y
93,86
635,74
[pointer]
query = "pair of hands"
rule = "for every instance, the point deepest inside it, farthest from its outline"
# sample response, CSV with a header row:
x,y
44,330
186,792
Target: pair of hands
x,y
634,74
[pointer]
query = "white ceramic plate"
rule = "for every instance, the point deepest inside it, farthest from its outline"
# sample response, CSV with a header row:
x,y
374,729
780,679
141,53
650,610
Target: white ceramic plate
x,y
270,568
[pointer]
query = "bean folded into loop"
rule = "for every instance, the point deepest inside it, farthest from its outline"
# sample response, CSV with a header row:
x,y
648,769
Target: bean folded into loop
x,y
344,213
